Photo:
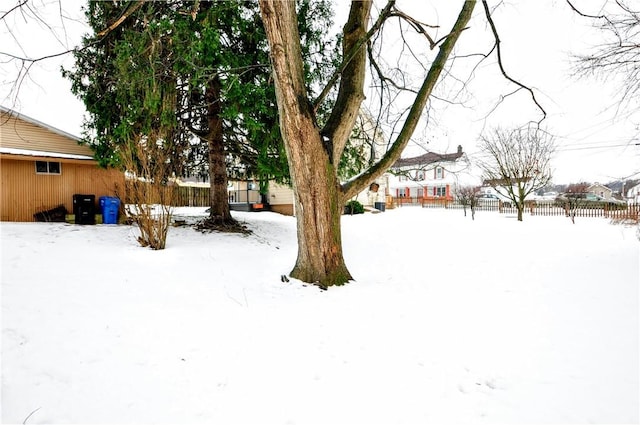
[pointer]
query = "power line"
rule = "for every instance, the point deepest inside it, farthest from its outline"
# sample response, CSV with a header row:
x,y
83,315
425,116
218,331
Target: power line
x,y
580,148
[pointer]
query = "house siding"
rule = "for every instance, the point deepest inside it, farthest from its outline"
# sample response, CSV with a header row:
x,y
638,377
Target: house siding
x,y
600,190
435,175
281,199
25,193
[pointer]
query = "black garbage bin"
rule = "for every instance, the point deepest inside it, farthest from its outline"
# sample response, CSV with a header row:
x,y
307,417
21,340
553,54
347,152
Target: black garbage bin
x,y
84,209
379,206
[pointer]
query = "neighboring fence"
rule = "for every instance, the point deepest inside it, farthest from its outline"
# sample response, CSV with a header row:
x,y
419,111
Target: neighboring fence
x,y
188,196
601,209
631,212
406,200
439,203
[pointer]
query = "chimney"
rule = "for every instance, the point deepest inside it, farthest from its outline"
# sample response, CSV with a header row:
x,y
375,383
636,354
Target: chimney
x,y
459,149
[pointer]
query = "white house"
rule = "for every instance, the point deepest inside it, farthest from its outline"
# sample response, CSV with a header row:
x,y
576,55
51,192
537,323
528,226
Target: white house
x,y
633,194
428,176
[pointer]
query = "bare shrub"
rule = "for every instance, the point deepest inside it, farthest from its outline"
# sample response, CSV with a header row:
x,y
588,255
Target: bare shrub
x,y
467,196
149,191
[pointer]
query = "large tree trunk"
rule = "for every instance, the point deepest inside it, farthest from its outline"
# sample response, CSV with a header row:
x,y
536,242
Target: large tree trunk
x,y
319,208
317,196
220,212
313,155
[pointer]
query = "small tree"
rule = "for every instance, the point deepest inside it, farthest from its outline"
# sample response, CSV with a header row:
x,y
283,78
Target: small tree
x,y
573,199
149,191
468,197
516,162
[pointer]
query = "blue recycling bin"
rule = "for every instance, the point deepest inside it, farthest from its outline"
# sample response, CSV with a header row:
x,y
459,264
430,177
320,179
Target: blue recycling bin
x,y
110,206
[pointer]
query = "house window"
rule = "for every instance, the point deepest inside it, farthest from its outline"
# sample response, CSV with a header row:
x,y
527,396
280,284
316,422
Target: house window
x,y
439,173
441,191
47,167
419,175
420,192
401,193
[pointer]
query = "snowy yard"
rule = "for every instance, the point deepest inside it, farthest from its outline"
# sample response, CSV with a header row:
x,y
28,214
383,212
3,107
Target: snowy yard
x,y
449,321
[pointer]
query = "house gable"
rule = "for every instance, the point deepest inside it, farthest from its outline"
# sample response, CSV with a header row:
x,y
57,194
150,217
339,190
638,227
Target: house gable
x,y
431,175
600,190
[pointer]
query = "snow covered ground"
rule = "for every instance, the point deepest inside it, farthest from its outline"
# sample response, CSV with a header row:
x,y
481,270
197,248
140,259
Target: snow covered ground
x,y
449,321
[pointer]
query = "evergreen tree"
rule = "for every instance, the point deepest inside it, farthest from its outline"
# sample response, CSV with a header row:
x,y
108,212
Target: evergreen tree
x,y
210,62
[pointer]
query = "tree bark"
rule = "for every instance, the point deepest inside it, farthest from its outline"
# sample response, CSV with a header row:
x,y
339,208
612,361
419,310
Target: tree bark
x,y
520,209
220,212
313,156
350,93
317,198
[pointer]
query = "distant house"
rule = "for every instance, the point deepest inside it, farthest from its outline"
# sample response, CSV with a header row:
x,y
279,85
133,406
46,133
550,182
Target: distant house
x,y
42,168
500,188
243,194
633,194
601,191
428,176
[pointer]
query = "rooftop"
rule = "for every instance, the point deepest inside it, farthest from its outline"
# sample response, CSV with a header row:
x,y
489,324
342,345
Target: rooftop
x,y
429,158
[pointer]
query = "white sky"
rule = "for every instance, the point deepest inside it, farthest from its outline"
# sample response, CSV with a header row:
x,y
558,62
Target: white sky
x,y
595,139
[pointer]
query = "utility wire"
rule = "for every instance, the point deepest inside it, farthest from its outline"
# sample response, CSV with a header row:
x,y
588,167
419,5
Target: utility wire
x,y
581,148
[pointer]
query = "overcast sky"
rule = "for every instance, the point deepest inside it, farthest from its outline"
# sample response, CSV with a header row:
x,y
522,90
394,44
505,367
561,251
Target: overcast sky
x,y
596,140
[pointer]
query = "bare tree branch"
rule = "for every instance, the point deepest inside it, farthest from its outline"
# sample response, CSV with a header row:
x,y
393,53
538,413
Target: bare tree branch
x,y
419,27
13,9
128,12
619,54
351,54
575,9
352,187
500,64
517,162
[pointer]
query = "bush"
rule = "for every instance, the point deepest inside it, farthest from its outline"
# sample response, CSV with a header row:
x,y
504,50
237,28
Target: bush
x,y
353,207
150,198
